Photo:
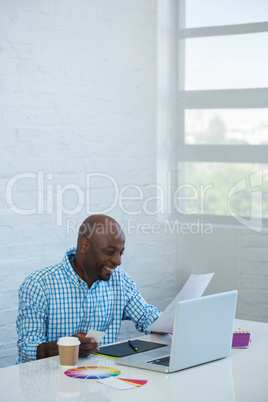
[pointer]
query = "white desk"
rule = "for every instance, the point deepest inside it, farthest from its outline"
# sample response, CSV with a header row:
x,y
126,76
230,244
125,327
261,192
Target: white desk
x,y
243,377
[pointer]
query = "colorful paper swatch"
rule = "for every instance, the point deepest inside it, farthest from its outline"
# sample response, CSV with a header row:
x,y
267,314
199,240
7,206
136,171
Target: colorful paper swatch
x,y
137,383
92,372
124,384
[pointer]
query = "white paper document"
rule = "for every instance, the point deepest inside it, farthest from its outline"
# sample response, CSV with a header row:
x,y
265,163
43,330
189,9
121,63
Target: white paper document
x,y
193,288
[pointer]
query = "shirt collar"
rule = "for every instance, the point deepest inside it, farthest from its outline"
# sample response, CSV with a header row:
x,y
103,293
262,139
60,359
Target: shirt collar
x,y
72,275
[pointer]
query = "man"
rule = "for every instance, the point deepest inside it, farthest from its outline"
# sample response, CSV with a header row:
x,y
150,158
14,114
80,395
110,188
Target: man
x,y
85,291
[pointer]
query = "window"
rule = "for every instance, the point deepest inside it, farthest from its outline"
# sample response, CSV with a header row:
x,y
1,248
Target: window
x,y
222,120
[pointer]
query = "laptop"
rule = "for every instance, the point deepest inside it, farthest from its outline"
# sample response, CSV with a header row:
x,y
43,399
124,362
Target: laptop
x,y
202,332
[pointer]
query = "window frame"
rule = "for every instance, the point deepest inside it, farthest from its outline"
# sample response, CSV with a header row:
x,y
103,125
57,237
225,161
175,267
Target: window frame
x,y
215,99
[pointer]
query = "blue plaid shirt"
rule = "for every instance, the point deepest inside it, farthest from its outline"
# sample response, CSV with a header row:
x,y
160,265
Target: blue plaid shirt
x,y
55,302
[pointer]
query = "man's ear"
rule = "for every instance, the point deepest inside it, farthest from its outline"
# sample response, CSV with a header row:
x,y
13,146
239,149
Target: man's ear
x,y
84,245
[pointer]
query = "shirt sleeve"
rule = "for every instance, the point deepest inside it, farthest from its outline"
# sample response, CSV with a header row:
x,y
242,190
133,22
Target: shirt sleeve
x,y
32,320
137,309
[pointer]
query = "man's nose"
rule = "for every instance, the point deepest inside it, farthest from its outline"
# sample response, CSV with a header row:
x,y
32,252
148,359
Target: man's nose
x,y
116,259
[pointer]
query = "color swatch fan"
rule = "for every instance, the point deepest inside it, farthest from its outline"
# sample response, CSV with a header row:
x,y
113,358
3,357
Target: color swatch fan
x,y
92,372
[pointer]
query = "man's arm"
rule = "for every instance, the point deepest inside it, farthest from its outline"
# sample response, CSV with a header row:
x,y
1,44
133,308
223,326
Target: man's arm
x,y
32,326
87,346
137,309
31,320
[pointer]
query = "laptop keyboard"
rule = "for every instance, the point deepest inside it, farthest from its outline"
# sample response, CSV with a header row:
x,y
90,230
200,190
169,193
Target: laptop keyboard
x,y
164,361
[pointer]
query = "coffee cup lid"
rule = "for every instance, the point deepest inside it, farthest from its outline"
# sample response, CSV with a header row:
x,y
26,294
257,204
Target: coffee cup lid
x,y
68,341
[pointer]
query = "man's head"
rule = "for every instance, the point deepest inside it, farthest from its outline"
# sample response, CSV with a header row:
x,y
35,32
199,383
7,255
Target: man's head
x,y
100,245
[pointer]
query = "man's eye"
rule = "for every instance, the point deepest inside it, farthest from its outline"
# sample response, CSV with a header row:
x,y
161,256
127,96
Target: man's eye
x,y
112,252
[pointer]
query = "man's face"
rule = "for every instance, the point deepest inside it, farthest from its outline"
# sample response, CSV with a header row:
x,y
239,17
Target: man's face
x,y
104,255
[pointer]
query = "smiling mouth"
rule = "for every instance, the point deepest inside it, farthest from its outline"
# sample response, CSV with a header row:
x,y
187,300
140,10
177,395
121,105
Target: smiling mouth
x,y
111,270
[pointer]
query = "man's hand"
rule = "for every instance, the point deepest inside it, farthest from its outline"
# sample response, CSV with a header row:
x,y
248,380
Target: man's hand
x,y
87,346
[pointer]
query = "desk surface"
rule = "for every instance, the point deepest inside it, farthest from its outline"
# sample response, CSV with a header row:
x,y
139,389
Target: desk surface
x,y
242,377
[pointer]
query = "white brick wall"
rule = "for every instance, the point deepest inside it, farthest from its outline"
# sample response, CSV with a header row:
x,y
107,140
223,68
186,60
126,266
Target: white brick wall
x,y
78,86
253,276
238,256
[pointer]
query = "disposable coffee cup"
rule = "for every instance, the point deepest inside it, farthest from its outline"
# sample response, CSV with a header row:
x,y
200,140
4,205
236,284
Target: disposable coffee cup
x,y
68,351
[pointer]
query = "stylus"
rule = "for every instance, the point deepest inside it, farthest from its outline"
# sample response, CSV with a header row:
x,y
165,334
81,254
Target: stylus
x,y
131,344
